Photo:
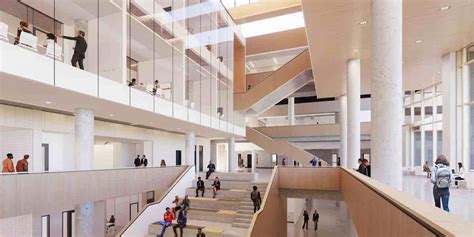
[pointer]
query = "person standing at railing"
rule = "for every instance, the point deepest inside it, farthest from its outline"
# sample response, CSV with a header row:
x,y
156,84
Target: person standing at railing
x,y
441,179
79,50
313,162
168,218
22,165
256,199
144,161
137,161
7,164
22,28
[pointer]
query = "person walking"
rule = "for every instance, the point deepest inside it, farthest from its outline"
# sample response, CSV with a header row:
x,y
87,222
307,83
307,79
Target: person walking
x,y
216,186
426,168
316,219
7,164
441,179
200,187
305,219
79,50
144,161
210,169
137,162
167,220
256,199
459,175
200,233
22,165
182,220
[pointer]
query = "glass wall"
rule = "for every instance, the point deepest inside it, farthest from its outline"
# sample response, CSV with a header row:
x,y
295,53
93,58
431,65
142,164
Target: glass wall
x,y
157,55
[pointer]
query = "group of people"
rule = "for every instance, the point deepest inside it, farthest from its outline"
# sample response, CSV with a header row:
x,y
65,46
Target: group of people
x,y
140,162
181,206
216,186
306,219
21,165
79,49
364,167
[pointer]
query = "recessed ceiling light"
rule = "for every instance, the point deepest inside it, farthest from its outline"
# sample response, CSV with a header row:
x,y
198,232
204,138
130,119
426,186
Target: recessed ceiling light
x,y
444,8
363,23
419,41
151,123
111,115
179,128
356,50
48,102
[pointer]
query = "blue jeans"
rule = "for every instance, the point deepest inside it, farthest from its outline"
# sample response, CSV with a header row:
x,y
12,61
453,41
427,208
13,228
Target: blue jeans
x,y
164,224
441,195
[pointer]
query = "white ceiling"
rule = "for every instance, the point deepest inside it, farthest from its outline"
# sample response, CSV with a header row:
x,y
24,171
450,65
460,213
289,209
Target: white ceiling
x,y
334,33
271,61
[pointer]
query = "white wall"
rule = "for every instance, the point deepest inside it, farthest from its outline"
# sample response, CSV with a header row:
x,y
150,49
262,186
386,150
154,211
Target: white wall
x,y
103,156
16,141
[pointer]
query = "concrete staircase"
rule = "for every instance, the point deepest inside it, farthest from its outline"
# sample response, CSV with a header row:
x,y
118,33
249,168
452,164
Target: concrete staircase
x,y
227,215
244,214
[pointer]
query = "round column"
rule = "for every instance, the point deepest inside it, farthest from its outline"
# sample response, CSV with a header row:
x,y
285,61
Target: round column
x,y
254,161
291,110
386,91
84,139
189,148
353,112
343,134
231,160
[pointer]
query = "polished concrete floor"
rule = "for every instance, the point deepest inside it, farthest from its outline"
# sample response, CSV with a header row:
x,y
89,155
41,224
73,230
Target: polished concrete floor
x,y
461,200
332,222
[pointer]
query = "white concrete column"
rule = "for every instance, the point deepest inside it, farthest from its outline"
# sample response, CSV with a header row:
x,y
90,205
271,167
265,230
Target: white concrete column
x,y
254,161
84,139
353,112
435,128
231,157
386,91
448,78
189,148
291,110
343,126
90,219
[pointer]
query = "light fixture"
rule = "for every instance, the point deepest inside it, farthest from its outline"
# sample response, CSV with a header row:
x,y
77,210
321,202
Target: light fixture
x,y
444,8
363,23
151,123
356,50
48,102
419,41
111,115
179,128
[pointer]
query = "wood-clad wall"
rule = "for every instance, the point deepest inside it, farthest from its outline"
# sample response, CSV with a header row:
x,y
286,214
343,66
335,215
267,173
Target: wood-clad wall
x,y
309,178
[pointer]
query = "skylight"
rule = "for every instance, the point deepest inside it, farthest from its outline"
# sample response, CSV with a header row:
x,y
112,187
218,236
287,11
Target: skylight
x,y
235,3
272,25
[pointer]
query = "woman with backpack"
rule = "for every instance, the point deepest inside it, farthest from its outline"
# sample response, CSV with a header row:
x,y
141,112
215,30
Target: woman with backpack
x,y
441,179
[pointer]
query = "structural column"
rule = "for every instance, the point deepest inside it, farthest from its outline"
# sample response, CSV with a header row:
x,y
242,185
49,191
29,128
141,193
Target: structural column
x,y
386,92
254,161
343,127
189,148
448,79
353,112
90,219
291,110
231,160
84,139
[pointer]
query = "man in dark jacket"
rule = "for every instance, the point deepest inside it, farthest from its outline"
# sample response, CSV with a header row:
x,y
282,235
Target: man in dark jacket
x,y
200,187
315,219
137,162
144,161
211,168
79,49
256,199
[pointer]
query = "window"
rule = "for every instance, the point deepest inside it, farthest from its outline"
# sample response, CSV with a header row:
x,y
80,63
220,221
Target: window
x,y
417,146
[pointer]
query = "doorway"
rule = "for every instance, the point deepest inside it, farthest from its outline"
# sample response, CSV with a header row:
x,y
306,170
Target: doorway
x,y
249,160
133,211
69,223
201,158
45,154
178,157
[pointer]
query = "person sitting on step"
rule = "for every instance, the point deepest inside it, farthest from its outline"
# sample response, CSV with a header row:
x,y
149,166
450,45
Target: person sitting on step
x,y
216,186
200,187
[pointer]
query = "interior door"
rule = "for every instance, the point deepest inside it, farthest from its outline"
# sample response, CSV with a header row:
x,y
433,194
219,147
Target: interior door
x,y
249,160
178,157
45,155
201,158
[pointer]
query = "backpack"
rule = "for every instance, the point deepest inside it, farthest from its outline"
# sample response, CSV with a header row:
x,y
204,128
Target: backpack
x,y
442,176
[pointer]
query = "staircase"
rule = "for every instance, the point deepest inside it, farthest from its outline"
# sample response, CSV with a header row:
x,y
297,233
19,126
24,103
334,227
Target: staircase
x,y
244,215
277,86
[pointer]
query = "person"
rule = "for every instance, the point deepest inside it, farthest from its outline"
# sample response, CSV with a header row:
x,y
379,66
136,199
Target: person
x,y
315,219
210,169
163,163
366,165
361,168
426,168
133,82
186,203
177,204
182,220
313,162
144,161
156,85
459,175
137,161
283,162
112,220
22,28
7,164
338,162
216,186
200,233
168,217
22,165
50,37
200,187
305,219
79,49
256,199
441,179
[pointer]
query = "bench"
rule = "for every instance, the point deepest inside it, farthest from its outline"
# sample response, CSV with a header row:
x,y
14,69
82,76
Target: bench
x,y
189,231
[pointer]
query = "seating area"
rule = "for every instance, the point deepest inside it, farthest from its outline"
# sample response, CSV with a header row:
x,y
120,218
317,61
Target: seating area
x,y
228,214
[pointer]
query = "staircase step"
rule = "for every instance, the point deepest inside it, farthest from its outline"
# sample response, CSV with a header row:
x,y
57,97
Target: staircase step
x,y
242,220
227,194
244,215
234,176
214,204
240,225
227,184
189,231
212,215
